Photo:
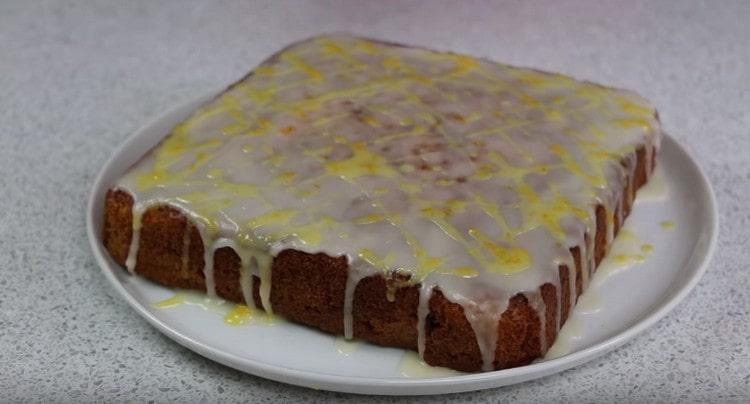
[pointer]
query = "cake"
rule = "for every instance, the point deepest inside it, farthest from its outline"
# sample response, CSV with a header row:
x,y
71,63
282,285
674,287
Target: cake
x,y
410,198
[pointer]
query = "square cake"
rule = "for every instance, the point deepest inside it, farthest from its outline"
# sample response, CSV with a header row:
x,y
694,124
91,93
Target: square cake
x,y
411,198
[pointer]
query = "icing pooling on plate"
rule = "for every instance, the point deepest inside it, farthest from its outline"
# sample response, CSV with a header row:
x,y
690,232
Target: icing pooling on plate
x,y
471,177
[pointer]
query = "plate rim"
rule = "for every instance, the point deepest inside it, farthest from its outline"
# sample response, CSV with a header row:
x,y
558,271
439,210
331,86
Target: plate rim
x,y
393,386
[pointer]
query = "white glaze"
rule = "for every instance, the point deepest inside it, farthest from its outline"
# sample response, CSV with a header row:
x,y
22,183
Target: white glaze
x,y
413,366
346,346
656,189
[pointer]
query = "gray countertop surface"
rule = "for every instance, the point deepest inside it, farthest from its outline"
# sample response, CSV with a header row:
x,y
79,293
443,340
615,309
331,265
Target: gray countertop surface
x,y
76,78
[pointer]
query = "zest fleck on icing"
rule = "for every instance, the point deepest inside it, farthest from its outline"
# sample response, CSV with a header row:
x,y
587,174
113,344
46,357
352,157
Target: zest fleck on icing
x,y
467,175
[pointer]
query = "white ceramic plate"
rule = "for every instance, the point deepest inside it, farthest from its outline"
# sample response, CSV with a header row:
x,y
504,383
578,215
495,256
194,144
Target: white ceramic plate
x,y
620,304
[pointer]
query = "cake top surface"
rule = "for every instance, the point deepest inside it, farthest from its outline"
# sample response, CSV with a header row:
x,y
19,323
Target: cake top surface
x,y
443,166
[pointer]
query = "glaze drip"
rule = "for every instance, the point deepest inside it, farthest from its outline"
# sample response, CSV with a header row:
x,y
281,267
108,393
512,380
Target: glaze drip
x,y
468,176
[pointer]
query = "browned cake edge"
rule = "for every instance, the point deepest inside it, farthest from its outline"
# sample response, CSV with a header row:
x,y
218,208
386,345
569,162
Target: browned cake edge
x,y
309,288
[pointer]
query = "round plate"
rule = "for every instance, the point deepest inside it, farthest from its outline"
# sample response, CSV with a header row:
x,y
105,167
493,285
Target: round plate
x,y
299,355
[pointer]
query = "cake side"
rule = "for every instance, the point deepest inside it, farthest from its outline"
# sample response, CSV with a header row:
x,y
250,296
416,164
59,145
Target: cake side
x,y
309,288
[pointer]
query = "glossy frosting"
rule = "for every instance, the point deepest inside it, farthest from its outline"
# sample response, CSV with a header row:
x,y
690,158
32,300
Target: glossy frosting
x,y
470,176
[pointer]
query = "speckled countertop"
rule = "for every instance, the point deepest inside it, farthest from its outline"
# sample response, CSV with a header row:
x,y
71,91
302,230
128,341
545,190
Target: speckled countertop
x,y
77,78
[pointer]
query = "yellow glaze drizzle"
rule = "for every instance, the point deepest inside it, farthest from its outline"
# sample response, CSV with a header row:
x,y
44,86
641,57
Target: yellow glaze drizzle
x,y
239,315
626,250
188,298
667,225
469,175
232,314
